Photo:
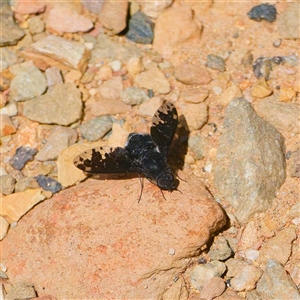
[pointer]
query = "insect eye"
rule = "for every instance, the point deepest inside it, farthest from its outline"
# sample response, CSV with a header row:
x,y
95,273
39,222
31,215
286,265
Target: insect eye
x,y
165,181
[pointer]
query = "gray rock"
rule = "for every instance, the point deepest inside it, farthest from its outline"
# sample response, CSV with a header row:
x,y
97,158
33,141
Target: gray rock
x,y
140,29
10,32
59,139
53,76
95,129
275,283
216,62
36,25
8,58
294,165
21,157
250,160
48,183
263,11
62,105
28,84
220,249
196,143
7,184
133,96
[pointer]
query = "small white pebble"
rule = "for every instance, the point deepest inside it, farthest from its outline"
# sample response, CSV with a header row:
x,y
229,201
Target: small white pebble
x,y
296,221
217,90
115,65
208,168
89,46
251,254
3,267
171,251
10,109
2,171
14,224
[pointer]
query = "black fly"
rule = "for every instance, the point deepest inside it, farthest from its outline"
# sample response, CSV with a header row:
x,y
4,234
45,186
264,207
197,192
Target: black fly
x,y
145,154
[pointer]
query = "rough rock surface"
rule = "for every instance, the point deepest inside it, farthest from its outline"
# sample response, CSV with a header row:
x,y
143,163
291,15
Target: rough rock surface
x,y
109,245
250,160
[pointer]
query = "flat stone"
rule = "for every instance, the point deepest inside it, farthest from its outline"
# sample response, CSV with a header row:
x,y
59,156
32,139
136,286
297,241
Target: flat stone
x,y
26,184
216,62
27,8
261,89
113,15
229,94
108,228
284,117
153,79
59,138
53,76
57,51
61,105
194,95
133,96
14,206
65,19
10,31
191,74
111,88
220,249
275,283
250,164
212,288
21,157
28,84
288,22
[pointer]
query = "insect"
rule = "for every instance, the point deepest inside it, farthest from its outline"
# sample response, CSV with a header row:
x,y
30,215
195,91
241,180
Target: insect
x,y
144,154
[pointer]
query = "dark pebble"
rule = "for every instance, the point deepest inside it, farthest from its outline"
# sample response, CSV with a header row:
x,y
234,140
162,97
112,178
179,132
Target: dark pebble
x,y
215,62
140,29
48,183
21,157
262,67
263,12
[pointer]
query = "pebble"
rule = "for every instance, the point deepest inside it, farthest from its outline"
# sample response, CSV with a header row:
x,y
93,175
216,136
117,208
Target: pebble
x,y
140,29
277,43
7,184
10,109
64,19
29,83
36,25
275,283
263,12
21,290
53,76
196,115
61,105
115,65
261,89
235,177
48,183
249,236
26,184
278,247
107,107
134,65
286,94
251,254
6,125
212,288
294,165
192,75
22,156
184,26
113,16
149,107
202,273
2,171
216,62
95,129
28,8
194,95
220,249
111,88
8,58
294,210
244,276
4,226
93,6
262,67
54,49
288,22
59,138
10,31
283,116
153,79
14,206
197,143
133,96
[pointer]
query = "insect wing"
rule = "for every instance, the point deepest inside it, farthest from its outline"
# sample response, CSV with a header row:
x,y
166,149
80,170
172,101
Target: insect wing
x,y
104,160
164,124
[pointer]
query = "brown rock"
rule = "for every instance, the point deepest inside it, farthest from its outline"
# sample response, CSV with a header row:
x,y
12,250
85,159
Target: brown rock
x,y
175,28
194,95
113,15
191,74
24,7
6,125
125,245
64,19
286,94
229,295
14,206
261,89
212,288
229,94
111,88
153,79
